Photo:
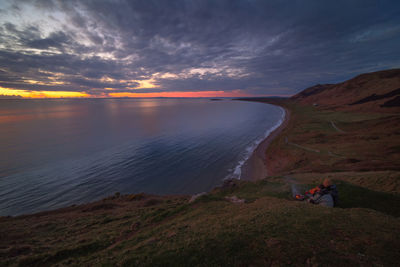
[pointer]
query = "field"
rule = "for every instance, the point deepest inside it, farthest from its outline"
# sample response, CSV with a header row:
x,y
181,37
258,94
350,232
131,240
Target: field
x,y
242,222
318,140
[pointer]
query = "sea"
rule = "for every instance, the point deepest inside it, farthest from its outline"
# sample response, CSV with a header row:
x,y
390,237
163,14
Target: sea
x,y
60,152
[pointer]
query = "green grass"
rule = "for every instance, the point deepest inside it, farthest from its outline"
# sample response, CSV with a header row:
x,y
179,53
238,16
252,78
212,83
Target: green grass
x,y
79,251
267,231
270,228
352,196
368,143
250,191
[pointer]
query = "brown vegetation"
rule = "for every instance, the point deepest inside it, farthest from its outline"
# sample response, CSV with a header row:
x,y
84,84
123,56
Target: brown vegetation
x,y
374,92
245,223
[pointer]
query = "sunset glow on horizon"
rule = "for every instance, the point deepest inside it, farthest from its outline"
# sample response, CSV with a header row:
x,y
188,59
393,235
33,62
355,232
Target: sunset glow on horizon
x,y
183,94
70,94
40,94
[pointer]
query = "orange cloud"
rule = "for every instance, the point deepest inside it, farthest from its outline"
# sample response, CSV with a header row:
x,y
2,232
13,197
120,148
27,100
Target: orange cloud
x,y
41,94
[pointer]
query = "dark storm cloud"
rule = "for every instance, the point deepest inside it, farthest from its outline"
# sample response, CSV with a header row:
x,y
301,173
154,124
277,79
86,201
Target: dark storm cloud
x,y
55,40
260,47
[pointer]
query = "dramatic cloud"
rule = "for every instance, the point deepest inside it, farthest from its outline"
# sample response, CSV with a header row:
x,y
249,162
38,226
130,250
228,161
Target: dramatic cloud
x,y
247,47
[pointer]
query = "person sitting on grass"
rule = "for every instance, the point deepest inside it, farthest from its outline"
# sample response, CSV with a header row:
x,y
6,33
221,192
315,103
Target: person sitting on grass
x,y
325,194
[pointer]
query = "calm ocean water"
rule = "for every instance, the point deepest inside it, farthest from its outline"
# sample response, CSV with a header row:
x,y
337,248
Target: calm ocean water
x,y
55,153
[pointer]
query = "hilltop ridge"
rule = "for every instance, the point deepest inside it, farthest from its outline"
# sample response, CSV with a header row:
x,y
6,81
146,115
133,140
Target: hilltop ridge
x,y
376,91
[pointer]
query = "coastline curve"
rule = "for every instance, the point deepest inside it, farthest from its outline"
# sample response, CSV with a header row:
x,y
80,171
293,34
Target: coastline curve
x,y
255,168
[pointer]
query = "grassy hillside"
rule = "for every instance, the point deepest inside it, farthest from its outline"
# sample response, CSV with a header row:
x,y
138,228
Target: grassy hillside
x,y
376,91
246,223
333,141
269,228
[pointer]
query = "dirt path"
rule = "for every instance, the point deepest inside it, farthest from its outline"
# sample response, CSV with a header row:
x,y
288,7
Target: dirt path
x,y
336,128
301,147
312,150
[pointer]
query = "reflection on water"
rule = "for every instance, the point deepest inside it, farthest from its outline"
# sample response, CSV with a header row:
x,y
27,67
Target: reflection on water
x,y
10,115
55,153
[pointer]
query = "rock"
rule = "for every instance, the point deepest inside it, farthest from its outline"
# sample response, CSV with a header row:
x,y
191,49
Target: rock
x,y
229,183
152,202
136,197
312,262
171,234
235,199
101,206
194,197
16,251
135,226
151,240
272,243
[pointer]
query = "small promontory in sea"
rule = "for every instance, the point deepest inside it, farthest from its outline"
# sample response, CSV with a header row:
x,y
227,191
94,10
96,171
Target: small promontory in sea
x,y
348,132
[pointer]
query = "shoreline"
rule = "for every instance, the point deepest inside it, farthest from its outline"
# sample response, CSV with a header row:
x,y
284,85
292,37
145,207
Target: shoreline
x,y
255,167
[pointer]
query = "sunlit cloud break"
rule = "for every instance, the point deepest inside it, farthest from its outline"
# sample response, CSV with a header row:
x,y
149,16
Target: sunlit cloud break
x,y
188,48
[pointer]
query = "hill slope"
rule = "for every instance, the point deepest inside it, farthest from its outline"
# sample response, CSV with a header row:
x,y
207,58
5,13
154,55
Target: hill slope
x,y
257,223
376,91
268,229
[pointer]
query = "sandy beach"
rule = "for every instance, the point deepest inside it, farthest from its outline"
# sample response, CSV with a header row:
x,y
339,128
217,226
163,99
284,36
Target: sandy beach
x,y
255,167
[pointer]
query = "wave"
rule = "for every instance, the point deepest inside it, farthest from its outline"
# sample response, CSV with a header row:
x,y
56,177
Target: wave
x,y
237,171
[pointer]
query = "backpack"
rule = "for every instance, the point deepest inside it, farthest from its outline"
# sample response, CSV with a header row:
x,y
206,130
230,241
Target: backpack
x,y
332,190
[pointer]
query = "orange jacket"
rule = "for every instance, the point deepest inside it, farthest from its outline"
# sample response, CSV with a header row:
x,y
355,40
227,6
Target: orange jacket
x,y
313,190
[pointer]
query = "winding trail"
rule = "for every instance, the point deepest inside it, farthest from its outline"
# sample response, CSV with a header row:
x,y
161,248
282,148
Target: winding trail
x,y
336,128
255,167
301,147
312,150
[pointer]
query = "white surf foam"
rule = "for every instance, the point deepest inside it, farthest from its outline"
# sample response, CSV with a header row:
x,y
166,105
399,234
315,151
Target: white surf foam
x,y
237,171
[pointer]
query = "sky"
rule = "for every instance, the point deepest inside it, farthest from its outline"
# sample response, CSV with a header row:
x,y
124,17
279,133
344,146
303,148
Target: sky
x,y
178,48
